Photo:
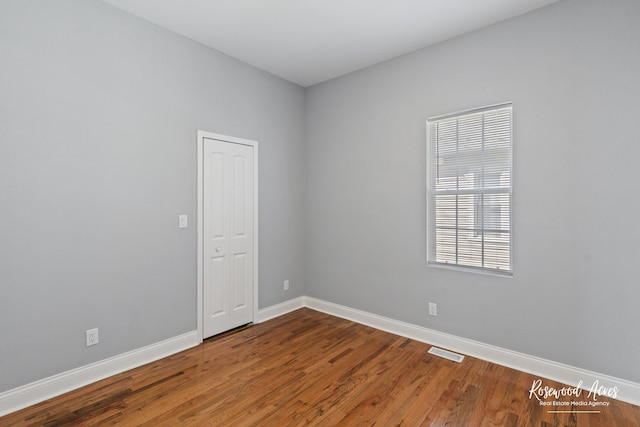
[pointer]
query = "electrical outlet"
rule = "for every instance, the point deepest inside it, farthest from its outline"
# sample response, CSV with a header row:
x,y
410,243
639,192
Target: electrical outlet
x,y
433,309
286,285
92,337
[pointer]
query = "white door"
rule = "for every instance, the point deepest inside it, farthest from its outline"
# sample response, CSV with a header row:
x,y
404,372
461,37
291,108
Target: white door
x,y
228,221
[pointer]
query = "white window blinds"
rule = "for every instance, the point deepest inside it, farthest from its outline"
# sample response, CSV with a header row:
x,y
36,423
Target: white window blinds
x,y
469,201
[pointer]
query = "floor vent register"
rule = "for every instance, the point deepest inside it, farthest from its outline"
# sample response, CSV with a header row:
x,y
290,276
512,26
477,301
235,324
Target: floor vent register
x,y
446,354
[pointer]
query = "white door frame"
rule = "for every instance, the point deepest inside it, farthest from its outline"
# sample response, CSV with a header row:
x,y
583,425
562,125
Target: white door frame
x,y
202,135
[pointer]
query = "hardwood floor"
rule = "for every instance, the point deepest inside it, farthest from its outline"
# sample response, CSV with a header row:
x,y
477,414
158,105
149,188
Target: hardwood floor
x,y
309,368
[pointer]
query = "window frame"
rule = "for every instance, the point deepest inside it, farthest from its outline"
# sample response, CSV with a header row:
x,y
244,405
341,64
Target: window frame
x,y
431,192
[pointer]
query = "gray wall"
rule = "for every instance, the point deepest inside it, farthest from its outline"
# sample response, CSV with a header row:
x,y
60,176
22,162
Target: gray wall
x,y
571,70
98,118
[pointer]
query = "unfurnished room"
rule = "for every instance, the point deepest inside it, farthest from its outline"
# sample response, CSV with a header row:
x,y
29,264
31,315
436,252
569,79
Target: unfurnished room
x,y
319,212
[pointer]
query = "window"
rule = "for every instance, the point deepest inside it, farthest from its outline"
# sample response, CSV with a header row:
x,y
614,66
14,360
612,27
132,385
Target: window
x,y
469,200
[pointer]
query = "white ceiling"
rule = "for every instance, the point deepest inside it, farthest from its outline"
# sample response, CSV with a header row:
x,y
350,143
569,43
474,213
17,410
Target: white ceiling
x,y
310,41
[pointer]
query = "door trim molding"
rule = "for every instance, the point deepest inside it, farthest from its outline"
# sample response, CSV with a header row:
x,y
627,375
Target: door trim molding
x,y
202,135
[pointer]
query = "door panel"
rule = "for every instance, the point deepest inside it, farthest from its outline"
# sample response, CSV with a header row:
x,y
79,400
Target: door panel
x,y
228,235
239,199
240,268
217,195
217,285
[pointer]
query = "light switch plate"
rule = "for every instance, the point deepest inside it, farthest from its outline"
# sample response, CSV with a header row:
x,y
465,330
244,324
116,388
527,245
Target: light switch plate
x,y
182,221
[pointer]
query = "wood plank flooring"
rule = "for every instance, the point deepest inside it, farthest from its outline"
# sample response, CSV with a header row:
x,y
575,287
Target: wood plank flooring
x,y
309,368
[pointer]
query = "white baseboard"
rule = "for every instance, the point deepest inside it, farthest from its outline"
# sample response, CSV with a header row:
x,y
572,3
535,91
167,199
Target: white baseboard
x,y
280,309
38,391
628,391
41,390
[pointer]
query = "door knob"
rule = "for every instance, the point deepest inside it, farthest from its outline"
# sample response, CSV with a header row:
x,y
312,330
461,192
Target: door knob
x,y
218,248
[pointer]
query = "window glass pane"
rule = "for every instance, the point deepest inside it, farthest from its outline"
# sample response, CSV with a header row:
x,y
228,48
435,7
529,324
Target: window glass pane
x,y
470,189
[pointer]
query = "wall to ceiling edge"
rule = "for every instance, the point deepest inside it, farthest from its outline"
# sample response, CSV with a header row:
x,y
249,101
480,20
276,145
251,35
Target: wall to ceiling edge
x,y
570,71
99,113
